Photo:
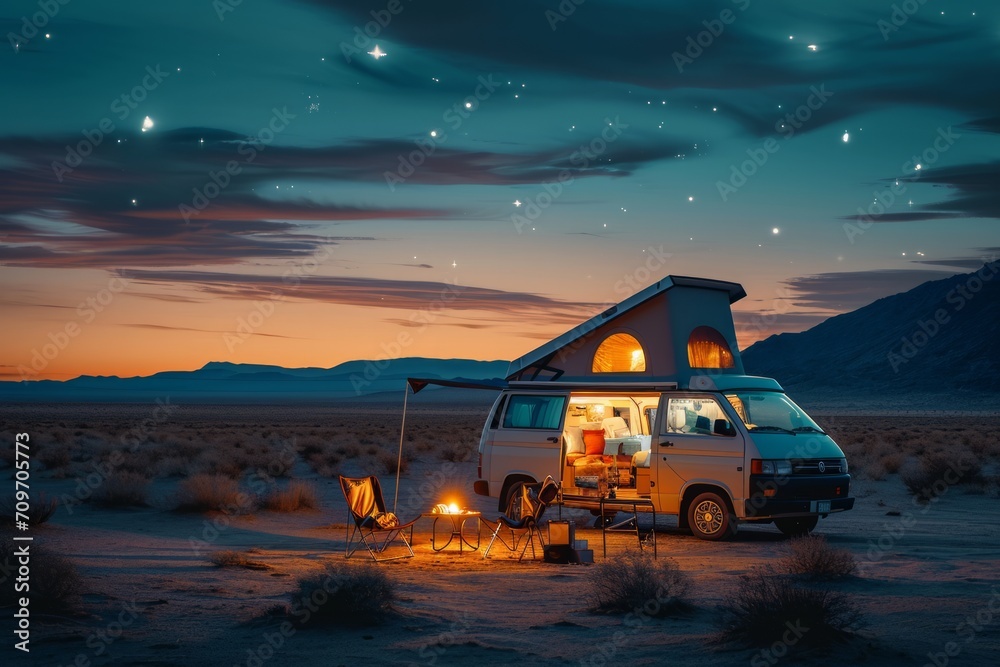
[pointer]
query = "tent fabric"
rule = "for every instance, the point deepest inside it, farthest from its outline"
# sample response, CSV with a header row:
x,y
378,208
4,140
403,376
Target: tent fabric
x,y
417,384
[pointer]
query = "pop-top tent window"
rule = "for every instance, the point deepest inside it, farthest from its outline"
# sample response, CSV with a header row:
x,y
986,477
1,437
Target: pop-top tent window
x,y
708,349
619,353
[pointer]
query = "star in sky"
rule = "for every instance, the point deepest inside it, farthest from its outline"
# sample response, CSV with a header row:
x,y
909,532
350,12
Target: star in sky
x,y
517,203
377,53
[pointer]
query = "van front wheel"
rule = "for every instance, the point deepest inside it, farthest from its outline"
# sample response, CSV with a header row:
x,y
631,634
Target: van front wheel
x,y
709,518
798,526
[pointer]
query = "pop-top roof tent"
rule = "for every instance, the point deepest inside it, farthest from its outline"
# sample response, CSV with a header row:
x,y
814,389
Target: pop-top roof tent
x,y
671,331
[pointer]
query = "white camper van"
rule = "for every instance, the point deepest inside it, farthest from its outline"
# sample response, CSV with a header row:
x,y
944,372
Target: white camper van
x,y
648,401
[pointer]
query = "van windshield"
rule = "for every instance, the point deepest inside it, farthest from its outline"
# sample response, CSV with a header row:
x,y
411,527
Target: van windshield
x,y
771,411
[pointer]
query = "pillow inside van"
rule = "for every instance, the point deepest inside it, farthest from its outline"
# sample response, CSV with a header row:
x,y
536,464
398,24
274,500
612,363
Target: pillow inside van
x,y
594,441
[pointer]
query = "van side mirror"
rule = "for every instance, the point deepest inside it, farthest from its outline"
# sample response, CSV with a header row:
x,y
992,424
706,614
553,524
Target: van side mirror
x,y
723,427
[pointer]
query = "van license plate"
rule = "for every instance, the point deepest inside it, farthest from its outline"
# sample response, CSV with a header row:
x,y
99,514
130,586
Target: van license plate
x,y
822,506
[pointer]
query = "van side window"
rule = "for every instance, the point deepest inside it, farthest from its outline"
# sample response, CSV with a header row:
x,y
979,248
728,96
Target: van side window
x,y
495,422
533,411
696,416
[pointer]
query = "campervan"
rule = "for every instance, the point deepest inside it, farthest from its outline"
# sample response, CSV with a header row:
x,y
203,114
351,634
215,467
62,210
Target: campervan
x,y
648,401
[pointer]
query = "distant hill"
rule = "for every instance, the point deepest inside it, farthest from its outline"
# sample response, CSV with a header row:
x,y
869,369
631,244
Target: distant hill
x,y
224,382
940,337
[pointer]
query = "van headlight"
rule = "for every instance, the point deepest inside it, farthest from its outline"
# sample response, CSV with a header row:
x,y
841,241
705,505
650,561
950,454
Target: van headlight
x,y
770,467
843,465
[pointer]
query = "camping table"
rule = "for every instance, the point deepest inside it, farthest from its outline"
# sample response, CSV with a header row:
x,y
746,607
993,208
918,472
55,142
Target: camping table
x,y
457,529
626,505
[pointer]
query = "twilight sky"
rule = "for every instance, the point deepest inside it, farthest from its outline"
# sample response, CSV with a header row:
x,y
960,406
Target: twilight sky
x,y
256,182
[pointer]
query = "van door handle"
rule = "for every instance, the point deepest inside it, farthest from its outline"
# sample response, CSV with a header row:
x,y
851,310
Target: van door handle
x,y
553,438
666,443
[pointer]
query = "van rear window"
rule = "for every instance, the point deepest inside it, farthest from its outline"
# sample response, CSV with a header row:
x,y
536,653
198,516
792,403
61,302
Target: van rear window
x,y
533,411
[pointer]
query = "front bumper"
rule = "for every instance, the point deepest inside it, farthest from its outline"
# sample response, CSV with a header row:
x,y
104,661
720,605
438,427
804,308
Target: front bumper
x,y
797,495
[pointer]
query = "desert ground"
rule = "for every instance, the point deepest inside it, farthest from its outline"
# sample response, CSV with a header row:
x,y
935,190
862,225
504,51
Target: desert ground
x,y
154,588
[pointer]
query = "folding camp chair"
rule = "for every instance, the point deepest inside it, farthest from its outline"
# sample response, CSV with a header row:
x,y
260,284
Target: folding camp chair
x,y
364,504
520,521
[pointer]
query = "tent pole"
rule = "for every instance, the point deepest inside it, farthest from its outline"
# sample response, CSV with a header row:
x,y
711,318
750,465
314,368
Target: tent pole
x,y
399,457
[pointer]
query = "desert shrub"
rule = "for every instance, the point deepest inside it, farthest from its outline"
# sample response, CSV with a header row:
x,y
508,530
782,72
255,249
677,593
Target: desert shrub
x,y
636,581
455,453
935,473
40,510
347,594
208,493
892,463
172,466
53,456
55,582
765,607
812,557
236,559
348,451
296,496
388,460
122,488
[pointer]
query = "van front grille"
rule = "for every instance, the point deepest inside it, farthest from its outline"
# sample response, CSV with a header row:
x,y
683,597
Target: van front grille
x,y
817,467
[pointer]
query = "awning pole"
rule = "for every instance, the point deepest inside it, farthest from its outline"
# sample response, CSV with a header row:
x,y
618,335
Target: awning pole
x,y
399,457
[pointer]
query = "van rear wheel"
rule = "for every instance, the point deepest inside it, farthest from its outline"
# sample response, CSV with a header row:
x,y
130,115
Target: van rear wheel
x,y
709,518
797,526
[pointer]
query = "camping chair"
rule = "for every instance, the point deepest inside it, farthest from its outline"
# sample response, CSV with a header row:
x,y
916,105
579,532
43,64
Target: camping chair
x,y
366,509
522,517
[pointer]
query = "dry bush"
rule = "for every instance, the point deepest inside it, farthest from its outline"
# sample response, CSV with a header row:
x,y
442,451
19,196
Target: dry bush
x,y
812,557
40,510
210,493
388,461
348,451
172,466
634,582
55,582
122,488
296,496
223,463
935,473
455,453
892,463
765,607
347,594
237,559
55,457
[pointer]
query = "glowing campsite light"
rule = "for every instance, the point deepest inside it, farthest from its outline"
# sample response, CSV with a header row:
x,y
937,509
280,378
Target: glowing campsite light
x,y
453,509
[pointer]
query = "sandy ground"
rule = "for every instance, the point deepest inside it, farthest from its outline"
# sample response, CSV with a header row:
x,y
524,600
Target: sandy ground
x,y
153,598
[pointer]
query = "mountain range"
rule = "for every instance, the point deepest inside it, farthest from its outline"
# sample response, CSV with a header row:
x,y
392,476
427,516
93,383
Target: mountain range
x,y
941,338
